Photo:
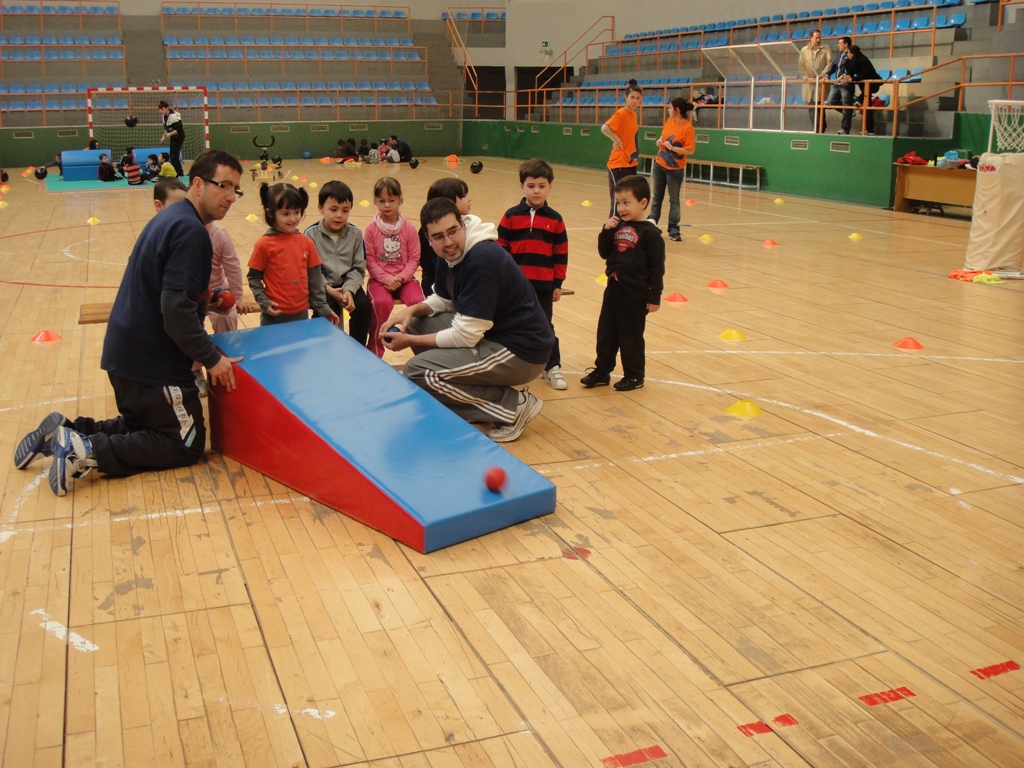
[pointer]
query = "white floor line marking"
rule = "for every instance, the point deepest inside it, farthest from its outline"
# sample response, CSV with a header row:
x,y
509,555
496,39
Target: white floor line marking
x,y
702,452
850,426
51,403
809,353
61,632
7,531
316,714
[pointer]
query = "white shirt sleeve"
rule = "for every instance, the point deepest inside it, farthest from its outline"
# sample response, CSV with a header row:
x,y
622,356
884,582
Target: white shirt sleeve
x,y
438,304
465,332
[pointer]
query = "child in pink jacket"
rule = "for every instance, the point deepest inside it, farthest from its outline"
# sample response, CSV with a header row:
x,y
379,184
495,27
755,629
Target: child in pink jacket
x,y
392,255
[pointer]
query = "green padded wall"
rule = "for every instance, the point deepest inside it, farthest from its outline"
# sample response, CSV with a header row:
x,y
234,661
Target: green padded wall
x,y
863,175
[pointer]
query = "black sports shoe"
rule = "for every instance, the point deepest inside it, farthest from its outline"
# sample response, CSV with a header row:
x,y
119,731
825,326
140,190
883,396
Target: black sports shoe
x,y
595,379
37,442
628,385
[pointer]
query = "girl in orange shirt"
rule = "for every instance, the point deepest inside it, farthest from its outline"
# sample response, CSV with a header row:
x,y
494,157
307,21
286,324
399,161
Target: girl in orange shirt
x,y
284,270
622,129
676,142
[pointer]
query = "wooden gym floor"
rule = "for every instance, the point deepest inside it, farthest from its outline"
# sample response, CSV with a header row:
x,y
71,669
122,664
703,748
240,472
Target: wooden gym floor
x,y
834,582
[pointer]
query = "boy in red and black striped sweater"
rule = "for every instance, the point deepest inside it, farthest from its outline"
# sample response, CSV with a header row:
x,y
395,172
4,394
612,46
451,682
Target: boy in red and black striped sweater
x,y
534,233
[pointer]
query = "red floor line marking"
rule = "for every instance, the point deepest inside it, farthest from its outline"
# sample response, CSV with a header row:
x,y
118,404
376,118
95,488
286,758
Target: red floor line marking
x,y
785,721
996,669
636,757
886,697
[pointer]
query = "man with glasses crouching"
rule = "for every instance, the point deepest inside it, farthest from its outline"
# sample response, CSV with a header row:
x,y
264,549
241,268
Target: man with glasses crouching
x,y
481,333
154,333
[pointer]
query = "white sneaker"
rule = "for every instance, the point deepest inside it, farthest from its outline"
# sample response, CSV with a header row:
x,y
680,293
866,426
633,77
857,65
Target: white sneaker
x,y
525,413
554,377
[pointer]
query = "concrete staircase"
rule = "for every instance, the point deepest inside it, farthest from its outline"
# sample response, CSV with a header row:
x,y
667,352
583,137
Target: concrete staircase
x,y
445,77
144,49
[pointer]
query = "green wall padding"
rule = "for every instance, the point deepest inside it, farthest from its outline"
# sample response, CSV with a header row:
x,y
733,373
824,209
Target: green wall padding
x,y
863,175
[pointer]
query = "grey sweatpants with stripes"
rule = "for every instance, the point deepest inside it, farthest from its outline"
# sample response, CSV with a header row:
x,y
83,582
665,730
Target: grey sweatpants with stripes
x,y
478,383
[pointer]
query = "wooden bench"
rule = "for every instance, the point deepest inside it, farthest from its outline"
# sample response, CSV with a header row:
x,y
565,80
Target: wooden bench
x,y
695,172
90,314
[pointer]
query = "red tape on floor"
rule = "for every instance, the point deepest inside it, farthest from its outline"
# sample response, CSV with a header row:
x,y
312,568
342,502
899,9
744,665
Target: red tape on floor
x,y
638,757
996,669
887,697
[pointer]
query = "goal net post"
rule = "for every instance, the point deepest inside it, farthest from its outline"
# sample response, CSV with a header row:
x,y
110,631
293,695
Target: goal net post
x,y
110,111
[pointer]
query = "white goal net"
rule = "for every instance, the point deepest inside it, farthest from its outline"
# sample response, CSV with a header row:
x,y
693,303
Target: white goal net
x,y
110,111
1007,126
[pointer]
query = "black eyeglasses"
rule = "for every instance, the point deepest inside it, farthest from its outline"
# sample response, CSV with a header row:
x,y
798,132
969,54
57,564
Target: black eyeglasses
x,y
223,186
449,234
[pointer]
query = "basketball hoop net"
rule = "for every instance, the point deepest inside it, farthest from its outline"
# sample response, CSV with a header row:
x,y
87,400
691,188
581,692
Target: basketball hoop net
x,y
1007,126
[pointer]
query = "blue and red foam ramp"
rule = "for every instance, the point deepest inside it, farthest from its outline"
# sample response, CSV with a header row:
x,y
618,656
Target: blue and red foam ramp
x,y
324,416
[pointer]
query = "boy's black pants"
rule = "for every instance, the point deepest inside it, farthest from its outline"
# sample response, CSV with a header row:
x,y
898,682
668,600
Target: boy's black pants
x,y
620,329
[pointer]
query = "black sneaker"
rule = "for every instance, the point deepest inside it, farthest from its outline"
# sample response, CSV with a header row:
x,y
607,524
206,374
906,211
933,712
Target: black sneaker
x,y
595,379
37,442
628,385
675,238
